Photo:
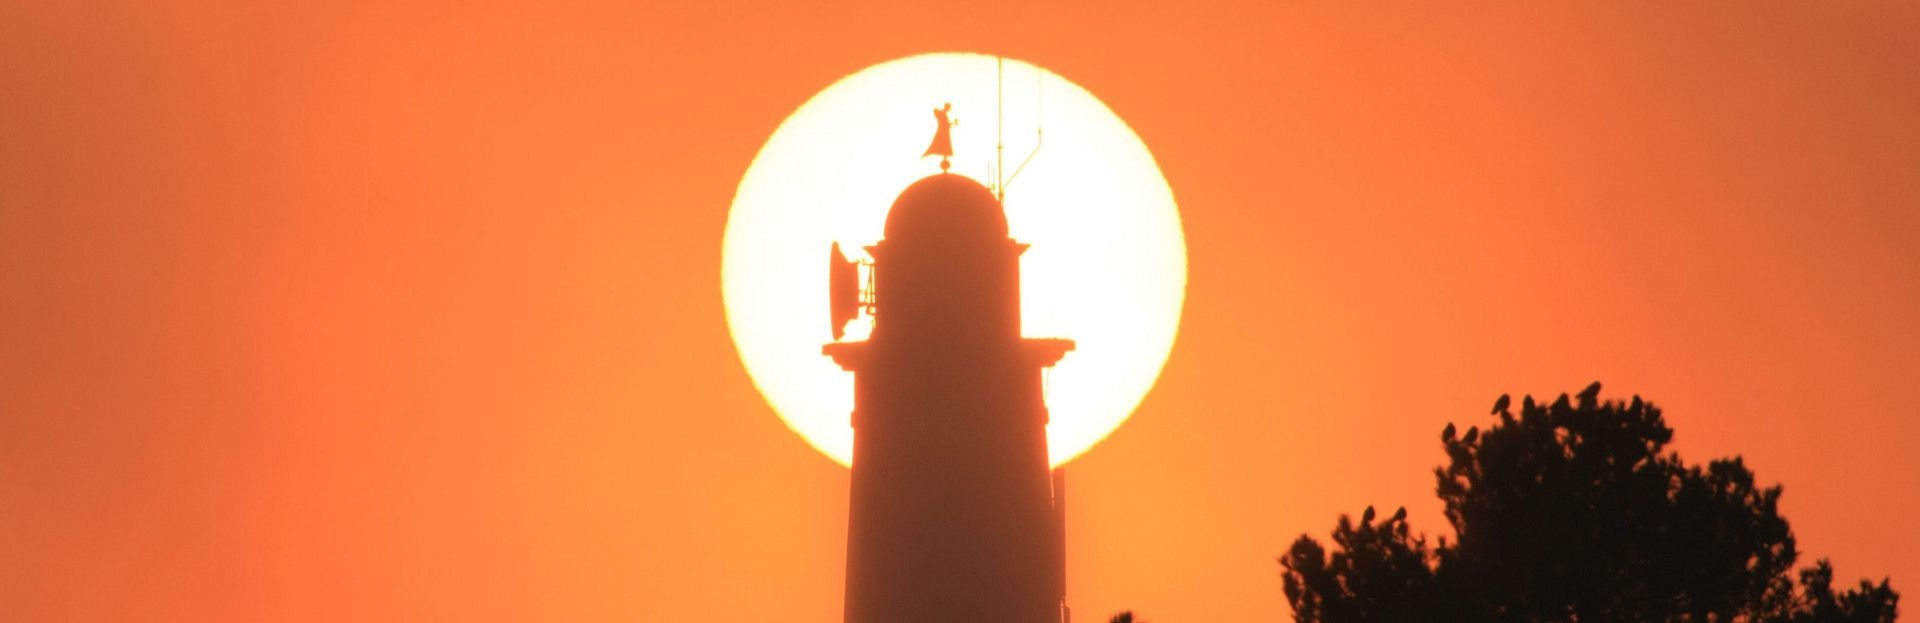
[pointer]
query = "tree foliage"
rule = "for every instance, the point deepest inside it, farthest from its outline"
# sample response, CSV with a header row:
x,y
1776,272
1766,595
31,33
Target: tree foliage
x,y
1575,511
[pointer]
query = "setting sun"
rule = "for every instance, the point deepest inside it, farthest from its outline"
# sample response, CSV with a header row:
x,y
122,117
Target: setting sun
x,y
508,312
1107,267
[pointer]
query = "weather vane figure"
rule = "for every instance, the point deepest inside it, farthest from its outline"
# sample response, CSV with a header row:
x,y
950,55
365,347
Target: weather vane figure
x,y
942,136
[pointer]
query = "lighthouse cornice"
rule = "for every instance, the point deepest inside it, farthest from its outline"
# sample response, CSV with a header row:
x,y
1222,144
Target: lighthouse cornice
x,y
1037,352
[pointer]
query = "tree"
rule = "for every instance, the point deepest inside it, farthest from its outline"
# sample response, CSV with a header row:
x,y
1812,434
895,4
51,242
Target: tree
x,y
1576,512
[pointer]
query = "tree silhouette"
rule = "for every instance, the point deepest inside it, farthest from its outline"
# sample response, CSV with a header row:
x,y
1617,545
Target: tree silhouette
x,y
1575,512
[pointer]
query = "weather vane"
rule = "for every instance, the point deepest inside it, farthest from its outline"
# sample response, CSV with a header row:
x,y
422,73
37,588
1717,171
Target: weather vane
x,y
942,136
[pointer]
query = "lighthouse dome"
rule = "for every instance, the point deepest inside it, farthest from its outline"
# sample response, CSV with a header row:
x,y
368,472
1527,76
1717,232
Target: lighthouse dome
x,y
946,206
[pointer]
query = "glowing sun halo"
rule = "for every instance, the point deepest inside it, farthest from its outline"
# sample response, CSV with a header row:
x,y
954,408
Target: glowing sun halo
x,y
1107,269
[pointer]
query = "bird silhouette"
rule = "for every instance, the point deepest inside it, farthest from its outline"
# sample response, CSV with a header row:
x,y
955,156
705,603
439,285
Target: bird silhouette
x,y
1473,432
1526,404
1560,403
1588,395
1399,515
1367,516
1636,403
1446,434
1502,403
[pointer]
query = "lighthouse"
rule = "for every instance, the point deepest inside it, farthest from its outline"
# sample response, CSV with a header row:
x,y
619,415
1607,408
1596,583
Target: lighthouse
x,y
954,516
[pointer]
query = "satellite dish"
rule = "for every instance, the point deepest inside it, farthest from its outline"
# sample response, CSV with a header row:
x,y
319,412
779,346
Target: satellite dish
x,y
843,291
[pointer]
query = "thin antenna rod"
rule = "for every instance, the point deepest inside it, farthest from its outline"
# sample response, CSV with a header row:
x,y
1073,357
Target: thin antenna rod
x,y
999,126
1039,137
1060,539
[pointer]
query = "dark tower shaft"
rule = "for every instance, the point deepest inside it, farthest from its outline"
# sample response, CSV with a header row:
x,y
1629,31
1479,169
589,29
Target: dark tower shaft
x,y
951,516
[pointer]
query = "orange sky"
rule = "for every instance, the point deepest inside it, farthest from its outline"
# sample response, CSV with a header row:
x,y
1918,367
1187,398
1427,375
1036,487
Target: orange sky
x,y
413,313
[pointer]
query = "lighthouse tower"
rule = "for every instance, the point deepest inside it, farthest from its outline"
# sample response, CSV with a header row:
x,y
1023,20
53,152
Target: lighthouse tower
x,y
953,514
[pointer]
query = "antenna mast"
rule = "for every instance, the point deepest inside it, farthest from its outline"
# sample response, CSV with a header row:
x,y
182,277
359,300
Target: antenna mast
x,y
1039,136
1000,177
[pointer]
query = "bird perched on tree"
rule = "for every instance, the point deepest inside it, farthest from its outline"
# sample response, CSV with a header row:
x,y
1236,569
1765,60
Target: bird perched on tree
x,y
1399,515
1591,393
1526,404
1636,403
1446,434
1502,403
1560,403
1367,516
1473,432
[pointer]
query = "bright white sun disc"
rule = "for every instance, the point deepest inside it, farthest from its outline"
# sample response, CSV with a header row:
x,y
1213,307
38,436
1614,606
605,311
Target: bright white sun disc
x,y
1107,267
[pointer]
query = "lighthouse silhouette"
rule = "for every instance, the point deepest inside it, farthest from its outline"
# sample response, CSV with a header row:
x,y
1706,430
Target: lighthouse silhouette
x,y
954,515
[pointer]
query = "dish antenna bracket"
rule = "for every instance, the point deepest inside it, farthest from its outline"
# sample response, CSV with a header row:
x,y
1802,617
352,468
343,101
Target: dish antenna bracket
x,y
847,294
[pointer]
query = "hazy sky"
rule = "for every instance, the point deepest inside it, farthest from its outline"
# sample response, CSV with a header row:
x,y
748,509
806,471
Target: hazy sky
x,y
412,312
